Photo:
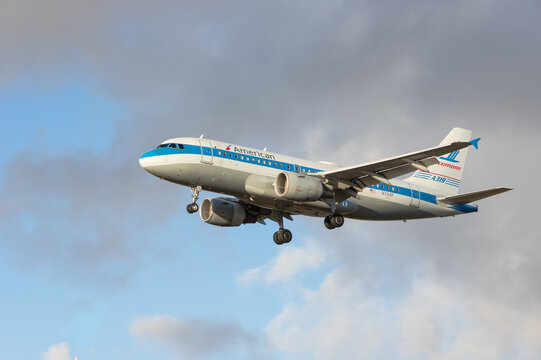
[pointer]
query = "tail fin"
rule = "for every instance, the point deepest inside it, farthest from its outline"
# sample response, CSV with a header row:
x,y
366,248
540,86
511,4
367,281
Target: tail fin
x,y
445,177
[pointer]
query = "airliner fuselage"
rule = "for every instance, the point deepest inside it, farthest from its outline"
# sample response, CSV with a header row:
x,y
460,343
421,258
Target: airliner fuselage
x,y
267,185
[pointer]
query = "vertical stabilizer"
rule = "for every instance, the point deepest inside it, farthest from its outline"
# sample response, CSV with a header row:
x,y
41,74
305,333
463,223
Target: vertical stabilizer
x,y
445,177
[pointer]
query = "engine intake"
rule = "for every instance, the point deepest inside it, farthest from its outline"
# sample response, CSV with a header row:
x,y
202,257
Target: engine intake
x,y
292,186
224,212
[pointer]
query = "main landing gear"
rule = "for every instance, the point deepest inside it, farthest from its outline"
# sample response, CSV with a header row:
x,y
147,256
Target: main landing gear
x,y
193,207
282,236
333,221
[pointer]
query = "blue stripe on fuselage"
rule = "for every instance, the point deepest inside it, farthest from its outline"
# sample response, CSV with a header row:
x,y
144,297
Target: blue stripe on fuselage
x,y
280,165
188,149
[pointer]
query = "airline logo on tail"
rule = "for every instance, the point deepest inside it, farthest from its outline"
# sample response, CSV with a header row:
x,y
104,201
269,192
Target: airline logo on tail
x,y
451,157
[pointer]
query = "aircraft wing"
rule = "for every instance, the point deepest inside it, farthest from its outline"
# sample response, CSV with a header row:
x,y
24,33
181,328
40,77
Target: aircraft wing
x,y
360,176
472,196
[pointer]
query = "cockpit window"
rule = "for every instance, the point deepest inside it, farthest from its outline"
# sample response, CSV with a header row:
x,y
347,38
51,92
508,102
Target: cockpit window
x,y
171,145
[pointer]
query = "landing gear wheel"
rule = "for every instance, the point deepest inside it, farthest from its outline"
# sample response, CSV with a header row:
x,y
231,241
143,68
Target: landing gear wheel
x,y
337,220
328,223
333,221
286,235
192,208
276,239
282,236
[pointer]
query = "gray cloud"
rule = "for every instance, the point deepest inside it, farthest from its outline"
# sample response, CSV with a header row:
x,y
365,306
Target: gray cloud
x,y
78,214
195,338
195,67
347,81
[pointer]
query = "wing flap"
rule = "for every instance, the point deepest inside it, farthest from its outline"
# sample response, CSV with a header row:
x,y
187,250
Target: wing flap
x,y
384,176
472,196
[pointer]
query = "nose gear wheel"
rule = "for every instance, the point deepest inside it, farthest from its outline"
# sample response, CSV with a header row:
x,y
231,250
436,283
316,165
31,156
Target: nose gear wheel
x,y
193,207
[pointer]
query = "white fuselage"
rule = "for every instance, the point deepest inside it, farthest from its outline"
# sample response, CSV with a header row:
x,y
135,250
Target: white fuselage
x,y
249,174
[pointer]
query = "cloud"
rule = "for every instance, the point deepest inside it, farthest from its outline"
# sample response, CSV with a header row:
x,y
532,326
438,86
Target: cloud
x,y
429,320
348,81
290,262
194,338
440,289
59,351
361,66
78,215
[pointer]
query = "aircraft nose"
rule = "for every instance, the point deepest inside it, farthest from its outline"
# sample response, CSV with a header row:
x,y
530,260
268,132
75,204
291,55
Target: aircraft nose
x,y
146,160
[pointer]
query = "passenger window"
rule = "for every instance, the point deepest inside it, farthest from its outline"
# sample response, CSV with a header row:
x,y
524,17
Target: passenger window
x,y
236,156
289,167
219,153
230,155
258,161
242,157
264,163
280,164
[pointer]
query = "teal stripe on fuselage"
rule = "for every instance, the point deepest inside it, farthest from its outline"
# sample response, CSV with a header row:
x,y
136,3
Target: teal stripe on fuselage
x,y
188,149
280,165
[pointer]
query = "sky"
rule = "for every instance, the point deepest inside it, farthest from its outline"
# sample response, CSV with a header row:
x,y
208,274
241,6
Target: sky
x,y
99,259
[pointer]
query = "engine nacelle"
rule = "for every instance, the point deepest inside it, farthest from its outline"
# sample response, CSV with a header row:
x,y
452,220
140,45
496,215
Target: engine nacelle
x,y
222,212
293,186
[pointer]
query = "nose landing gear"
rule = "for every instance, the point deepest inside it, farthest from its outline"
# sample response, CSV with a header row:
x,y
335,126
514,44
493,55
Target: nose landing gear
x,y
193,207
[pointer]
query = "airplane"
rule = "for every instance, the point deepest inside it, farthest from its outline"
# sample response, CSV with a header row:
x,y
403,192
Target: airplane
x,y
266,185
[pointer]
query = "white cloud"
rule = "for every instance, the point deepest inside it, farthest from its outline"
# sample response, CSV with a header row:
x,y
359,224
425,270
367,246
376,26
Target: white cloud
x,y
291,261
59,351
430,320
335,321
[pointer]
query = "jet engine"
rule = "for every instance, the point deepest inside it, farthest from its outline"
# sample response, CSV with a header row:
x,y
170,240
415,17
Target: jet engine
x,y
292,186
224,212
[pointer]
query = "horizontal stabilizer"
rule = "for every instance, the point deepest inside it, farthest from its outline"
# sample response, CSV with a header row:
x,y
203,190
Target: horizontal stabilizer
x,y
472,196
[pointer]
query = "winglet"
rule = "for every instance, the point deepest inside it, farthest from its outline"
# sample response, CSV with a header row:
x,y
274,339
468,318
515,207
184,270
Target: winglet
x,y
475,143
